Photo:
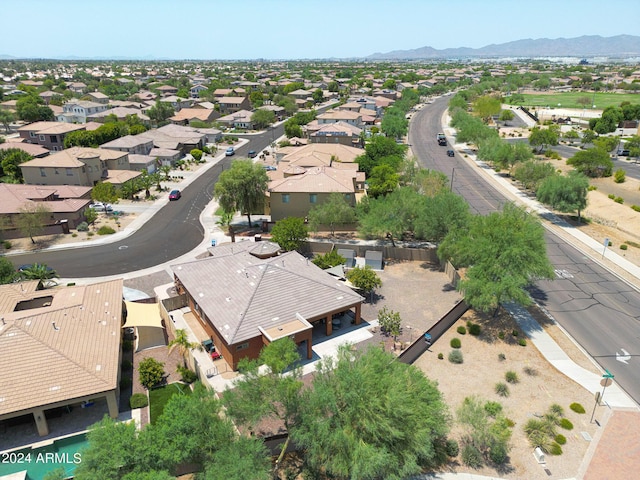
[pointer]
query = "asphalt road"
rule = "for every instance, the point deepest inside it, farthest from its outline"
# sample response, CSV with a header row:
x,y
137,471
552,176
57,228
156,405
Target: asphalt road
x,y
170,233
599,310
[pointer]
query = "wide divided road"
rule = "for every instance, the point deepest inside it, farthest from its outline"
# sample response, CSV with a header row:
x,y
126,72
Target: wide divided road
x,y
599,310
170,233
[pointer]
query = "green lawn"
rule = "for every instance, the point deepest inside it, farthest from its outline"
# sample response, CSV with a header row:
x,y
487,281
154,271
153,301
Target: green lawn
x,y
158,398
570,99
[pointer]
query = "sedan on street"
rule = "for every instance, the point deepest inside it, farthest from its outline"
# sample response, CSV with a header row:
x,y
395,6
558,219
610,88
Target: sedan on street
x,y
450,153
230,151
174,195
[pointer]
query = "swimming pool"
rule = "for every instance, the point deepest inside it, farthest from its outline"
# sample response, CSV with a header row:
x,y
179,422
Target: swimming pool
x,y
65,452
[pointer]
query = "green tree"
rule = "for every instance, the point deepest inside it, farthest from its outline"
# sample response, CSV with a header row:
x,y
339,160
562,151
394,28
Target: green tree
x,y
383,180
166,170
593,162
390,216
40,272
242,187
293,129
110,454
506,116
145,182
439,214
271,394
256,98
6,117
31,108
394,125
263,118
7,271
505,252
542,137
289,233
317,96
588,136
633,145
183,344
239,460
364,279
90,215
160,112
104,192
486,106
10,161
381,150
532,172
196,153
565,193
33,218
349,430
390,321
151,372
333,212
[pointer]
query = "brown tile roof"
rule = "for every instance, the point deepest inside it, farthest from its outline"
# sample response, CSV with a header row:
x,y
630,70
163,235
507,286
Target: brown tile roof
x,y
240,293
65,350
317,154
316,180
30,148
51,128
70,157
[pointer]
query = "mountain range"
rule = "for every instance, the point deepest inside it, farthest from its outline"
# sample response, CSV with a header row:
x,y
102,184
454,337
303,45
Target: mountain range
x,y
618,46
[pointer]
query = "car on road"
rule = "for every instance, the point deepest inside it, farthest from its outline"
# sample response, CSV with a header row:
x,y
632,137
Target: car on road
x,y
252,154
101,207
175,195
450,153
623,153
28,266
230,151
270,168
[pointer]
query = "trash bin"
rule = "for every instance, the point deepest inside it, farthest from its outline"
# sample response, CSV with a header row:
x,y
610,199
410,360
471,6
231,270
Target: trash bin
x,y
257,238
213,242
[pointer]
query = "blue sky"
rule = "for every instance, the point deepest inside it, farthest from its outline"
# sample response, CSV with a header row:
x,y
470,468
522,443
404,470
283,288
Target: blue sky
x,y
292,29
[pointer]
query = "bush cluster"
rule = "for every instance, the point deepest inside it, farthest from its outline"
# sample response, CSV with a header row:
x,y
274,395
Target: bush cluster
x,y
566,424
83,227
576,407
138,400
475,329
187,375
455,356
511,377
502,389
106,230
455,343
462,330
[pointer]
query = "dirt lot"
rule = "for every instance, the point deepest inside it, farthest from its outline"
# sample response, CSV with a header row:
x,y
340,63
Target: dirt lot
x,y
531,397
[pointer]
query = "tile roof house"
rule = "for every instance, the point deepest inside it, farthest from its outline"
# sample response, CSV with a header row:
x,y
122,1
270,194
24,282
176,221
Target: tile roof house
x,y
49,135
66,205
177,103
121,113
297,193
333,116
77,111
339,132
59,347
319,154
186,115
246,295
74,166
33,150
98,97
240,119
176,137
130,144
233,104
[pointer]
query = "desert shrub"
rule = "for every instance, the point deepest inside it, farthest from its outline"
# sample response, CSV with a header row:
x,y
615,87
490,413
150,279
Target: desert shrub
x,y
498,453
126,364
532,372
493,409
471,456
566,424
591,188
619,200
555,449
151,372
560,439
455,356
619,176
557,410
502,357
196,154
475,329
462,330
469,323
623,246
539,433
509,423
611,196
138,400
501,335
522,342
90,234
576,407
187,375
502,389
106,230
125,382
455,343
452,448
83,227
511,377
74,235
636,208
514,333
440,356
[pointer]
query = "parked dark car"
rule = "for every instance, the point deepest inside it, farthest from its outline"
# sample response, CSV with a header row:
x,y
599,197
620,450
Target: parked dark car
x,y
175,195
450,153
623,153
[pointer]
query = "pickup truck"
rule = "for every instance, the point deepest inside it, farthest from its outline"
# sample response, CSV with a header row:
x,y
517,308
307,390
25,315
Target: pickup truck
x,y
442,140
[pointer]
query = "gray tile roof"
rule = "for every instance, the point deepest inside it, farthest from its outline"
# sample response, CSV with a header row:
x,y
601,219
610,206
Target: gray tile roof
x,y
239,293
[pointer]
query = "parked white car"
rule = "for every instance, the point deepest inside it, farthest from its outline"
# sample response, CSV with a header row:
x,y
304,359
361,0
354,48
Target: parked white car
x,y
101,207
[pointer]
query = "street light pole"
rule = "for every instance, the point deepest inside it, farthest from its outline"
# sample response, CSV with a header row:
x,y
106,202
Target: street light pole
x,y
607,380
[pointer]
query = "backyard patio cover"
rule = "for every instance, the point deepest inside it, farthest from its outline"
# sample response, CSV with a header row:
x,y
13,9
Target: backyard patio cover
x,y
146,318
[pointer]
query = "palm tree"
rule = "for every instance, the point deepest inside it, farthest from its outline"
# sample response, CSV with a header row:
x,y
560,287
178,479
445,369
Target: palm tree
x,y
39,271
182,343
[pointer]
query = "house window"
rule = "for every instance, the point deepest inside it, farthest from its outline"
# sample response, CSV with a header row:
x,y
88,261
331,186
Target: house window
x,y
53,139
32,134
42,138
242,346
69,172
313,198
42,172
285,198
55,170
